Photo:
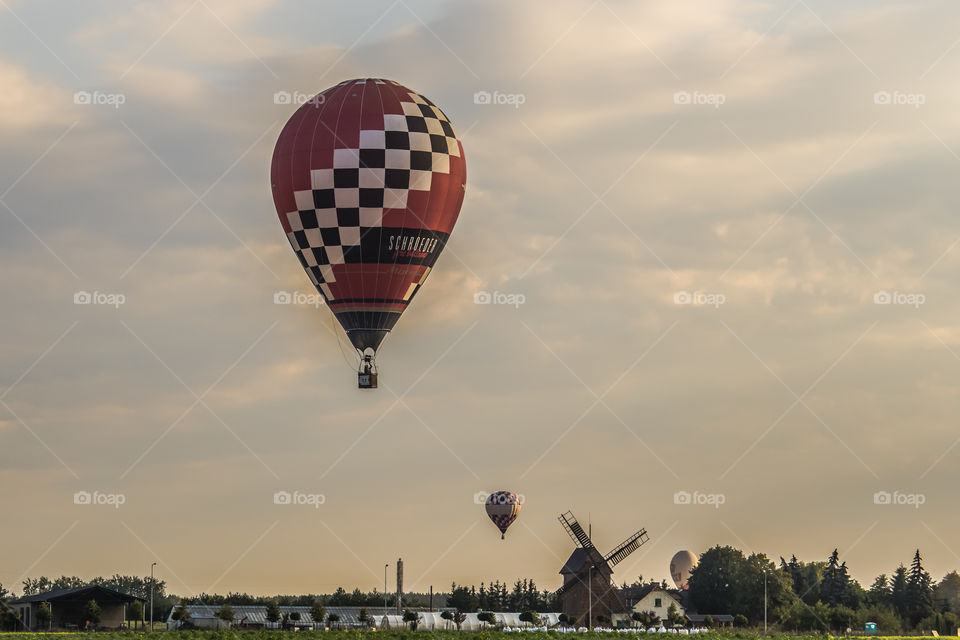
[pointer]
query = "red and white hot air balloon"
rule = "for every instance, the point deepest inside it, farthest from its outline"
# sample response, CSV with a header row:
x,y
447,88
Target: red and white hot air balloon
x,y
503,507
368,179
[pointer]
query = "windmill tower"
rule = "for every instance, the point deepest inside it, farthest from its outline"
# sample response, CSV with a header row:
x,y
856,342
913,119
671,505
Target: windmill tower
x,y
588,590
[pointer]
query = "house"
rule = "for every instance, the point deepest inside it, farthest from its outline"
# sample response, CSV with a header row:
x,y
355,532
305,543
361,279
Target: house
x,y
653,598
67,607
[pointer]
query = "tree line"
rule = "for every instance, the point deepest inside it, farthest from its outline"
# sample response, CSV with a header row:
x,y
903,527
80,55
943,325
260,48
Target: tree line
x,y
821,595
495,596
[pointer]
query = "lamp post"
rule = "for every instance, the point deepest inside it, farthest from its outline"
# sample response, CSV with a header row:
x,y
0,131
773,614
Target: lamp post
x,y
385,588
151,595
764,602
590,597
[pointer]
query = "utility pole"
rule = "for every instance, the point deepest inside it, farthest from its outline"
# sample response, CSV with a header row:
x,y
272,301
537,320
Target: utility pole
x,y
151,595
385,588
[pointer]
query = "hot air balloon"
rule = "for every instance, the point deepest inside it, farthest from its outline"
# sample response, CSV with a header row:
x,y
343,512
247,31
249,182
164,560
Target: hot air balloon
x,y
368,177
503,507
681,565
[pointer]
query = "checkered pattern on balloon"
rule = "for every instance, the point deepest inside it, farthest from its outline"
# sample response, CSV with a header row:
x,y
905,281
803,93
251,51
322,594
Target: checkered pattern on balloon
x,y
375,201
502,508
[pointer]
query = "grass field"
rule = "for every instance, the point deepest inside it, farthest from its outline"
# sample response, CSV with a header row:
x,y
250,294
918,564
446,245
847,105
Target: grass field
x,y
389,635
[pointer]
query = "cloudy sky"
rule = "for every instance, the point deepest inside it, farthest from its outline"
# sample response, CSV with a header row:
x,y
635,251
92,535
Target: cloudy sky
x,y
702,207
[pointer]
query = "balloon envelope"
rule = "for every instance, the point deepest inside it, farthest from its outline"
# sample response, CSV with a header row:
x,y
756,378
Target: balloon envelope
x,y
503,507
368,177
681,565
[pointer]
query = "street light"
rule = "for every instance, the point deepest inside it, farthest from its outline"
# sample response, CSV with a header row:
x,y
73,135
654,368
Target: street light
x,y
590,597
764,602
385,588
151,595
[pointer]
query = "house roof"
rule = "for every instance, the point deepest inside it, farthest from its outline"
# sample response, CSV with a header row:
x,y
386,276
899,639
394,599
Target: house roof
x,y
90,592
638,593
718,617
575,562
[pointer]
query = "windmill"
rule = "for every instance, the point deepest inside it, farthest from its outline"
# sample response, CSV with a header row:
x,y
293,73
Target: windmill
x,y
588,592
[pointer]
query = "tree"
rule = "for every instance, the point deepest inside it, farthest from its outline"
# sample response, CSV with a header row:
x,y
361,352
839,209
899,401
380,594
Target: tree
x,y
364,618
225,613
180,614
841,617
805,578
642,617
740,620
43,616
334,619
530,617
487,617
898,591
447,615
947,593
879,592
91,613
462,599
412,618
708,621
136,612
943,623
676,618
459,617
918,597
836,588
295,616
318,612
726,582
273,612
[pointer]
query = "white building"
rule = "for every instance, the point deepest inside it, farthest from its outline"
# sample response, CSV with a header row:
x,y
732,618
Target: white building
x,y
652,598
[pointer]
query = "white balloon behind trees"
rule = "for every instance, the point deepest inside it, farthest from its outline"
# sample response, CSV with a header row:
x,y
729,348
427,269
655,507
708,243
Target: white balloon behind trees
x,y
681,565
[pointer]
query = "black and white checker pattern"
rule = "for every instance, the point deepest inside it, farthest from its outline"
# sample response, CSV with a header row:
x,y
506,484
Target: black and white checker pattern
x,y
350,198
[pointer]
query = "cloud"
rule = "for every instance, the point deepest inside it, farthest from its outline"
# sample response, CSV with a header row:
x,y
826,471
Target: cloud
x,y
597,199
29,103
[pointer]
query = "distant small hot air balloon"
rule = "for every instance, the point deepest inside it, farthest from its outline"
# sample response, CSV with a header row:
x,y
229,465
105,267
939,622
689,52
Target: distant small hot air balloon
x,y
681,565
368,178
503,507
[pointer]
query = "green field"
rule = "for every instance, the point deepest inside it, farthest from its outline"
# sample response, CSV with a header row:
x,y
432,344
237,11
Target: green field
x,y
390,635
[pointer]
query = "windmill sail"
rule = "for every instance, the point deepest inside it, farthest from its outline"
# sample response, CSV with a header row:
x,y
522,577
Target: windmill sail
x,y
627,547
576,532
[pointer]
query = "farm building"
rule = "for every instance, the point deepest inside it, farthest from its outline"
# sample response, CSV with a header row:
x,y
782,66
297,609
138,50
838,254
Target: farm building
x,y
67,607
255,617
